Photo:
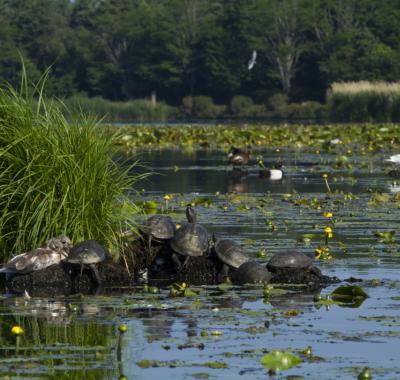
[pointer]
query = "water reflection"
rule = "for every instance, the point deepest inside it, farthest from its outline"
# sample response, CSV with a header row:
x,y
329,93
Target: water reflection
x,y
238,181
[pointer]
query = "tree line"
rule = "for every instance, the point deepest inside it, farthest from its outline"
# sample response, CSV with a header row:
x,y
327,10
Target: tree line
x,y
127,49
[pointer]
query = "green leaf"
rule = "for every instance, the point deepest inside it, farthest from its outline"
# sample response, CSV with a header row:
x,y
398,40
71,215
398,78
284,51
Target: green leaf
x,y
279,360
349,291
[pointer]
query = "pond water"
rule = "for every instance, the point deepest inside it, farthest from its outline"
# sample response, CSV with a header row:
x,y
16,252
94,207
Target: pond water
x,y
224,333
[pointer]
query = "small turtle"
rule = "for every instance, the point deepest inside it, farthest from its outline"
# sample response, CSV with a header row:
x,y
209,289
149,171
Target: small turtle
x,y
251,272
53,252
237,156
290,261
230,253
190,240
88,252
159,228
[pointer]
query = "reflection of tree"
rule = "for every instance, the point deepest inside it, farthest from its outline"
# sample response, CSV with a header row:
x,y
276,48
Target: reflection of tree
x,y
53,346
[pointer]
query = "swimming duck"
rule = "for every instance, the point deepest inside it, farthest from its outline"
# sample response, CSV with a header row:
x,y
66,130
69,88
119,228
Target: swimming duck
x,y
53,252
237,156
395,159
275,173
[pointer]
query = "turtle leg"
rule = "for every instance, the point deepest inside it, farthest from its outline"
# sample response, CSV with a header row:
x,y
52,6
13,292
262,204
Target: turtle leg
x,y
223,274
149,244
185,262
95,273
177,262
316,271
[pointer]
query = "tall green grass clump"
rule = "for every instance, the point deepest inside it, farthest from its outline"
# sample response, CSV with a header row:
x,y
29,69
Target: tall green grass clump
x,y
364,102
58,176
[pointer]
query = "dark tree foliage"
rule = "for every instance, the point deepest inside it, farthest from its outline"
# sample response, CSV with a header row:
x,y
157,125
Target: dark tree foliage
x,y
126,49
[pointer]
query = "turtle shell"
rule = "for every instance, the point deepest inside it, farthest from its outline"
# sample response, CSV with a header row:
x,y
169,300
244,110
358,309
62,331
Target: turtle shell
x,y
289,260
229,252
160,227
87,252
190,240
251,272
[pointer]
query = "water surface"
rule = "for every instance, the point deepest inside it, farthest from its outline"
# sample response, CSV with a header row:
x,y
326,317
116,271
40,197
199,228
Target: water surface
x,y
77,337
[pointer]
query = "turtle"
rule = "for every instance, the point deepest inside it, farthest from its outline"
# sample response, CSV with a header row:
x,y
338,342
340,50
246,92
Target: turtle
x,y
251,272
237,156
88,252
159,227
230,253
189,240
291,261
53,252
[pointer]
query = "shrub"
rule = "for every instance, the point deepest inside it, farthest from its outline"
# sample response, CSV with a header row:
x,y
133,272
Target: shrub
x,y
204,107
277,102
132,110
58,176
240,105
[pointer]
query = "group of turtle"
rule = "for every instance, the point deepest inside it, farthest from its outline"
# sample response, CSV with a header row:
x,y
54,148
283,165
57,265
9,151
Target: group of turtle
x,y
193,240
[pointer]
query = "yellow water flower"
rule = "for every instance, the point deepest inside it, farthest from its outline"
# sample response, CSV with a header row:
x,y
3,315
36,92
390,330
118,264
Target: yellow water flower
x,y
324,175
167,197
329,232
328,214
17,330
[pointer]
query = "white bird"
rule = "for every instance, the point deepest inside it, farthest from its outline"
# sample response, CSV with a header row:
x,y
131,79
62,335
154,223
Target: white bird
x,y
394,159
252,60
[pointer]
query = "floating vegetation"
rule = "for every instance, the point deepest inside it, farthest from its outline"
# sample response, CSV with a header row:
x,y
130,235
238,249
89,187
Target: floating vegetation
x,y
280,361
368,137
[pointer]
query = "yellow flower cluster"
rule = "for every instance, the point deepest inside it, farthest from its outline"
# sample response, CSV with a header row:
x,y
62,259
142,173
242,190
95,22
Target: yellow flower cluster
x,y
322,253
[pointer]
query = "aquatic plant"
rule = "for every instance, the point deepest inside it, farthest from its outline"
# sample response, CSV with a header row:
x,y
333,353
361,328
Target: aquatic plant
x,y
58,176
369,137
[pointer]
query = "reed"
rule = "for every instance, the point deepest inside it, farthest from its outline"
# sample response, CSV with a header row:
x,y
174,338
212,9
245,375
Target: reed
x,y
364,101
58,176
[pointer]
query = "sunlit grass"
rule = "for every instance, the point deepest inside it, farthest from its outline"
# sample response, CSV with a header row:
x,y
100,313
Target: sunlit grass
x,y
58,176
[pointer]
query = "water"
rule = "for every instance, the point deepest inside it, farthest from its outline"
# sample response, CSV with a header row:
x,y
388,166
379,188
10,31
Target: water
x,y
77,337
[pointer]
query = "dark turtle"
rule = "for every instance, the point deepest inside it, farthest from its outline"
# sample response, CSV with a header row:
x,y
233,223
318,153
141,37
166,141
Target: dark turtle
x,y
251,272
159,228
190,240
88,252
291,261
230,253
237,156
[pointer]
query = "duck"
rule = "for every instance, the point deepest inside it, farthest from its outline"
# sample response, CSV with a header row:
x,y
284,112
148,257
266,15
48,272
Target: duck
x,y
237,156
395,159
53,252
275,173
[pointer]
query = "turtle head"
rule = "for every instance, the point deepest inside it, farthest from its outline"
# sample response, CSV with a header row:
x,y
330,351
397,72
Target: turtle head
x,y
190,214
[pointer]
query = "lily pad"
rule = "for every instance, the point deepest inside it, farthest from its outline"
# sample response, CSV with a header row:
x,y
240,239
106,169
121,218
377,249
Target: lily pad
x,y
348,292
280,360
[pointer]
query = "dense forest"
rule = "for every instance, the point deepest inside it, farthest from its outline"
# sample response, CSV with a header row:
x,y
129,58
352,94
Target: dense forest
x,y
128,49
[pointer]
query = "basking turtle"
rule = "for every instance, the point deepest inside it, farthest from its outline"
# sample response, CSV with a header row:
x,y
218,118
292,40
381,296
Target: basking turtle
x,y
291,261
53,252
159,228
190,240
237,156
88,252
251,272
230,253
